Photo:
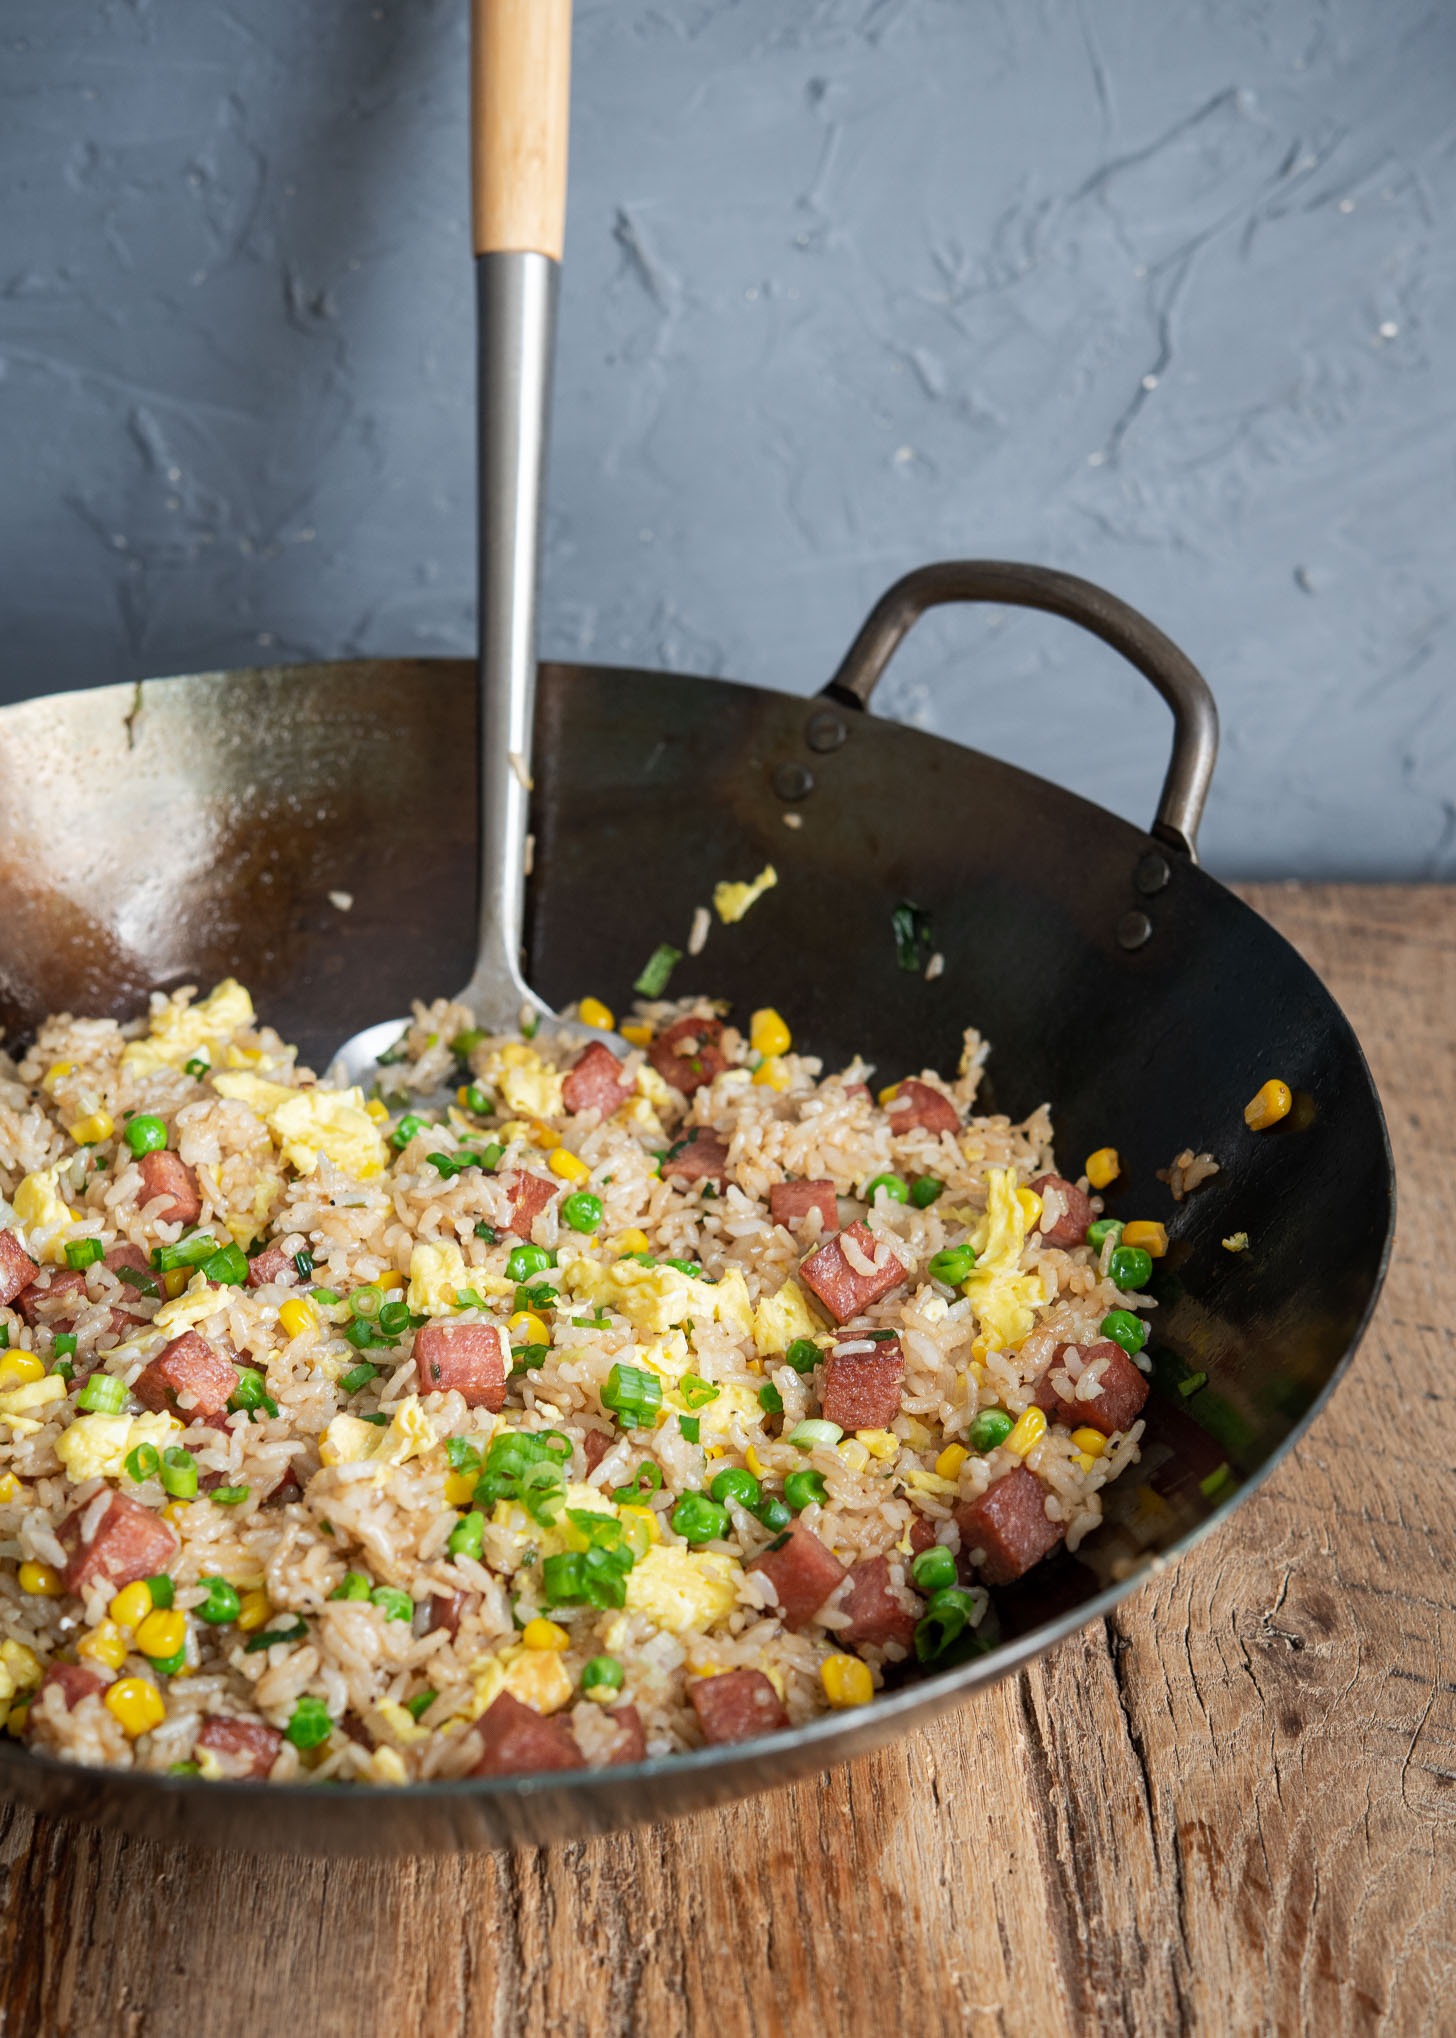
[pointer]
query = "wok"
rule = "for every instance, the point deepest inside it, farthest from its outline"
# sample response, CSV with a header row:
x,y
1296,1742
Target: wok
x,y
191,827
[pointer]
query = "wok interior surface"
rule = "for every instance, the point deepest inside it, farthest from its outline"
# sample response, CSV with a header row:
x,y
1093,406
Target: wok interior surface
x,y
194,828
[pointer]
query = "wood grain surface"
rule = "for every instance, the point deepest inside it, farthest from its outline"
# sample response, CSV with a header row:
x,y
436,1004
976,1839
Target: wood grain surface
x,y
1230,1807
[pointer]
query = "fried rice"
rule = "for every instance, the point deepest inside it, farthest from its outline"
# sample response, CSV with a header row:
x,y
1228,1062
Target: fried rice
x,y
348,1572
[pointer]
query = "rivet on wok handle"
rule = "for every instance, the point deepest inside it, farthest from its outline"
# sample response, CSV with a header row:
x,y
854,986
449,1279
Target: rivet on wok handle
x,y
825,731
793,781
1177,679
1133,929
1151,874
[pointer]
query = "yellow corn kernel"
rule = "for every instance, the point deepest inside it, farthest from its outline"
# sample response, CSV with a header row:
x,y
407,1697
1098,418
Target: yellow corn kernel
x,y
880,1443
543,1137
568,1167
387,1766
162,1633
460,1488
890,1091
545,1634
378,1111
175,1511
535,1330
17,1720
771,1074
10,1488
652,1527
949,1463
633,1241
41,1581
175,1280
298,1316
1151,1237
767,1033
1030,1205
131,1605
1028,1433
393,1279
755,1463
846,1681
104,1644
592,1012
135,1705
1103,1167
253,1609
1090,1442
636,1033
53,1075
18,1369
1274,1101
853,1453
91,1131
22,1663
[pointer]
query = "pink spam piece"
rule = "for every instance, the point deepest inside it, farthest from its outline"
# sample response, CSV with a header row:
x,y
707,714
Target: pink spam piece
x,y
736,1706
687,1055
701,1157
165,1175
916,1104
631,1741
55,1300
74,1681
1009,1524
1069,1228
803,1573
595,1082
877,1618
447,1610
247,1749
862,1381
517,1741
129,1542
595,1445
844,1289
188,1378
468,1359
529,1196
17,1268
789,1203
275,1263
1121,1389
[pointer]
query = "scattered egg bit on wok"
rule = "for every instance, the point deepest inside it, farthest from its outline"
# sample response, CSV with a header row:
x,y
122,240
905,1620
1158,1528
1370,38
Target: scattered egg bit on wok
x,y
615,1407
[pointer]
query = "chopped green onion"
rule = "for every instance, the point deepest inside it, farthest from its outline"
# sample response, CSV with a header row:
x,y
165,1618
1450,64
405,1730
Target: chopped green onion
x,y
536,1295
394,1318
462,1045
103,1394
380,1421
392,1603
945,1620
803,1355
228,1268
582,1211
367,1302
198,1067
467,1536
645,1481
925,1190
170,1666
697,1519
303,1264
230,1496
160,1586
145,1134
660,965
479,1101
603,1673
179,1473
805,1435
1192,1384
952,1266
408,1128
486,1231
736,1482
188,1252
310,1725
134,1277
84,1252
526,1358
182,1768
297,1633
420,1703
449,1164
802,1487
63,1345
353,1585
143,1463
910,925
328,1297
893,1187
690,1428
934,1569
64,1370
697,1392
221,1605
251,1390
461,1455
991,1429
1125,1328
633,1396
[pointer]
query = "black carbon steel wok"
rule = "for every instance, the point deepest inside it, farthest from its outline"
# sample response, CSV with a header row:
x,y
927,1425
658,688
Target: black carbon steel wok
x,y
195,827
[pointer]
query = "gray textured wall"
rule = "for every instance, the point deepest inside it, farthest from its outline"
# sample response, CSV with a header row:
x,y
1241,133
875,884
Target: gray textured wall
x,y
1159,290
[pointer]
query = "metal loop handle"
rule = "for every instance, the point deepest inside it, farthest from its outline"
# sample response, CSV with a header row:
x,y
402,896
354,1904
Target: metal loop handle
x,y
1141,643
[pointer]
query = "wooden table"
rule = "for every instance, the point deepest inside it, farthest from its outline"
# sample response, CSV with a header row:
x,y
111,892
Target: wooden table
x,y
1231,1805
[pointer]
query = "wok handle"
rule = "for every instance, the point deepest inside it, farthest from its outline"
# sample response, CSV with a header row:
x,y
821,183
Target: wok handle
x,y
520,89
1178,680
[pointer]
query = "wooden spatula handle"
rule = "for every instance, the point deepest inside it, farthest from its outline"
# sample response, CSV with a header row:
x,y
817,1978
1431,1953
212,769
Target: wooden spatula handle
x,y
520,66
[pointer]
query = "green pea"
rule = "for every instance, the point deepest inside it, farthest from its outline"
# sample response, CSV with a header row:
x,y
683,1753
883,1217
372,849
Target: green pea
x,y
925,1190
310,1724
467,1538
221,1604
735,1482
1125,1329
1101,1229
527,1260
392,1603
803,1355
895,1187
802,1487
934,1569
953,1265
697,1519
582,1211
991,1428
353,1585
1130,1266
408,1128
773,1513
145,1135
603,1673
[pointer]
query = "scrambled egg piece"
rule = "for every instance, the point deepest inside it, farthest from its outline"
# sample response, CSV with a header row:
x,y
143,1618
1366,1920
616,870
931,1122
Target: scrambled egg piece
x,y
523,1081
654,1299
307,1123
732,901
349,1440
401,1723
669,1356
179,1032
733,1402
40,1208
683,1591
638,1113
437,1273
97,1446
780,1318
651,1086
537,1677
198,1300
1004,1299
564,1534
